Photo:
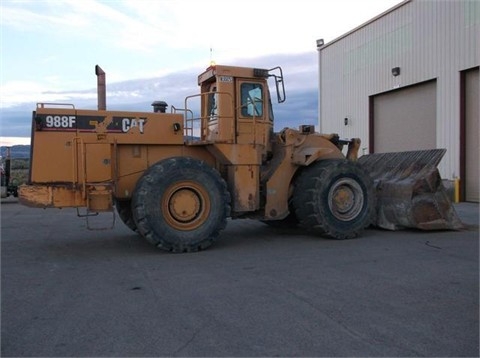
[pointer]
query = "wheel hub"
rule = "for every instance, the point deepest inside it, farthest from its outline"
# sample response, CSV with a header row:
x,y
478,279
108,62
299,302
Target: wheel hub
x,y
345,199
184,205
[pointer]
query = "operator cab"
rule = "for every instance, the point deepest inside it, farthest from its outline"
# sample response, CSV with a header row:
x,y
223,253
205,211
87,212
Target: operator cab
x,y
236,107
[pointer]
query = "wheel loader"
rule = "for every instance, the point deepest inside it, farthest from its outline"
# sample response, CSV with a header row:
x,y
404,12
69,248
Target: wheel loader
x,y
176,176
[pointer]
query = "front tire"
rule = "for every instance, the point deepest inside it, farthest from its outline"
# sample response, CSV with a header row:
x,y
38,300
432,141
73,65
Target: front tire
x,y
335,197
181,205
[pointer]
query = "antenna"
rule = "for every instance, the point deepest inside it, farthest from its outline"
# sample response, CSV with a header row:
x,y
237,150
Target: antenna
x,y
212,62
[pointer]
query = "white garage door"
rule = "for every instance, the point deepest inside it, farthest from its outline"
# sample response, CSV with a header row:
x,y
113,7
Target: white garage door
x,y
405,119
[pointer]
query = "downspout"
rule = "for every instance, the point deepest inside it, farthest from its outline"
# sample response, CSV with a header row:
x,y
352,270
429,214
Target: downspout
x,y
319,48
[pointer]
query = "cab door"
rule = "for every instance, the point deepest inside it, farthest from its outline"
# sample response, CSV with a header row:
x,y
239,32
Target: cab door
x,y
251,112
219,117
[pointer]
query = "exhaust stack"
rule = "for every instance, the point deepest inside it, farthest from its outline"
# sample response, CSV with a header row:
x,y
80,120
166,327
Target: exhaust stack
x,y
101,88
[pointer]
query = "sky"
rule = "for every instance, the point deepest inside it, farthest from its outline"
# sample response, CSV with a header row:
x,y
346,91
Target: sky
x,y
49,49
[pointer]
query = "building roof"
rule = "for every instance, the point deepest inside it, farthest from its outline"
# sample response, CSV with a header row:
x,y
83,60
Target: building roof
x,y
404,2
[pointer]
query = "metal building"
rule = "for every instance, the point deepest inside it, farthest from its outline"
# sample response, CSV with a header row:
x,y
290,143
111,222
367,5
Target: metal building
x,y
409,79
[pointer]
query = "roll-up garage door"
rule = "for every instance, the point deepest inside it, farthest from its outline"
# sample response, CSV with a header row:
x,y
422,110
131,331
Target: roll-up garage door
x,y
405,119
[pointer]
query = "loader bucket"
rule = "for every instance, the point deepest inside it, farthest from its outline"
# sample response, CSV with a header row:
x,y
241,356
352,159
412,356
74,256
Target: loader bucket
x,y
409,191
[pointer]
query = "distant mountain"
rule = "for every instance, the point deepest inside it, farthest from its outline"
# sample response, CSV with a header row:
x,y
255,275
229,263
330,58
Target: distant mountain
x,y
16,151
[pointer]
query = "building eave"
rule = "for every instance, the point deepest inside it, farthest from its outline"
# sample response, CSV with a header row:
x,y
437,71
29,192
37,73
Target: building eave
x,y
320,48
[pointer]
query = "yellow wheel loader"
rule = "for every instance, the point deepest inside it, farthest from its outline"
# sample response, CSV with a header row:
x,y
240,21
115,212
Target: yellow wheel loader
x,y
176,177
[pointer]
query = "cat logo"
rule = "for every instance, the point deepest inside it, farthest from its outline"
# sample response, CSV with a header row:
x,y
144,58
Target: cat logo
x,y
129,123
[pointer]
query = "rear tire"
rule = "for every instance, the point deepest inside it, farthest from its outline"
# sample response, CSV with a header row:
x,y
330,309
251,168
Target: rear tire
x,y
124,210
181,205
335,197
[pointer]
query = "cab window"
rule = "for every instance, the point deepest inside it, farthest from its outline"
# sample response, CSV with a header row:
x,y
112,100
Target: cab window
x,y
252,99
212,105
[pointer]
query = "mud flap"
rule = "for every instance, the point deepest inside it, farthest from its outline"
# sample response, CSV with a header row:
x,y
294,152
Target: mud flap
x,y
409,191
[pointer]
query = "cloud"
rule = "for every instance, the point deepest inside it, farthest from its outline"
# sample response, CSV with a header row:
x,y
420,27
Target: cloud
x,y
11,141
178,38
300,72
138,94
20,92
154,50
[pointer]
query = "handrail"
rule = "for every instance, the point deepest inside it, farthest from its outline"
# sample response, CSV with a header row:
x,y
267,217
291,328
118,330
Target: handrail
x,y
190,122
75,165
186,128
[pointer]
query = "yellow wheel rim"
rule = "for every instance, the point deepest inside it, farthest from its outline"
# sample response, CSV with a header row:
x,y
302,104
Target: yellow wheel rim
x,y
185,205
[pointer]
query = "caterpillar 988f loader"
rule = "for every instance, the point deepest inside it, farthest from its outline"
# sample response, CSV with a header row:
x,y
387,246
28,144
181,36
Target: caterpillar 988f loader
x,y
176,177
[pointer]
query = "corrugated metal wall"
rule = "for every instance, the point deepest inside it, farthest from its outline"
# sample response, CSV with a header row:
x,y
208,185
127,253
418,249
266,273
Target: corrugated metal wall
x,y
428,40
